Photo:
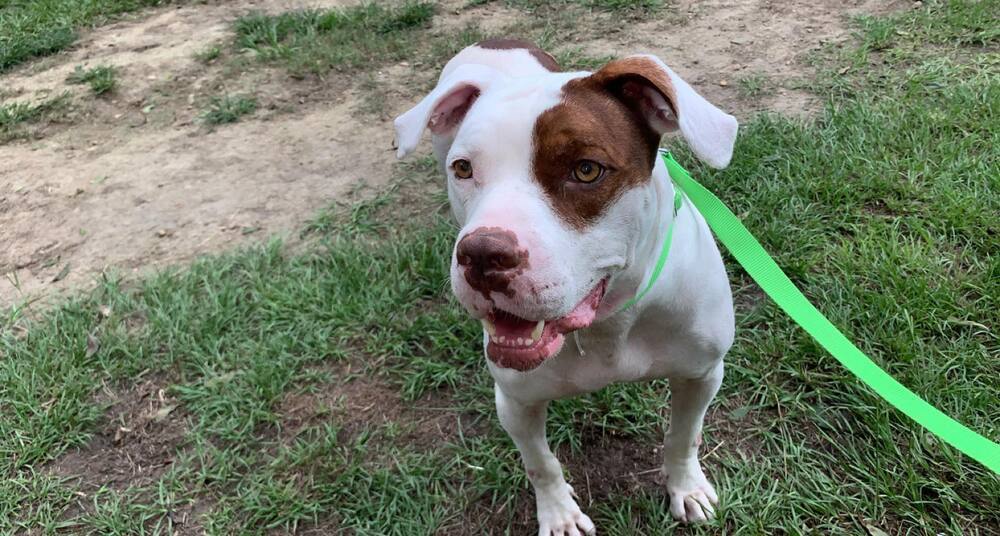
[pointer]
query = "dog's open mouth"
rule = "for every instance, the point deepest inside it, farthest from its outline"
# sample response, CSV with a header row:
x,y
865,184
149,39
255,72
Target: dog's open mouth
x,y
523,344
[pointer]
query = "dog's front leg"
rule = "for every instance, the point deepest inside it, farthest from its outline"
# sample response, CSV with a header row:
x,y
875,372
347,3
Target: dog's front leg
x,y
558,513
691,494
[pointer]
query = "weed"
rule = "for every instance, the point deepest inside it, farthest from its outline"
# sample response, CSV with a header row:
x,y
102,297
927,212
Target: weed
x,y
101,79
14,115
754,85
208,54
228,109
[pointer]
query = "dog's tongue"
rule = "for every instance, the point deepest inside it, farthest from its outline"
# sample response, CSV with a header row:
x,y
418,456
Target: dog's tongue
x,y
510,326
584,313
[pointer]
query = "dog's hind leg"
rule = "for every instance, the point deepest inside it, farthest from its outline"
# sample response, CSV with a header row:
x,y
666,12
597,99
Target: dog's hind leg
x,y
558,512
692,497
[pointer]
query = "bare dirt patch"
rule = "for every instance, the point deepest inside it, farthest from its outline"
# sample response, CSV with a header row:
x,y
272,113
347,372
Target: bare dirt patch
x,y
362,403
714,44
134,445
134,181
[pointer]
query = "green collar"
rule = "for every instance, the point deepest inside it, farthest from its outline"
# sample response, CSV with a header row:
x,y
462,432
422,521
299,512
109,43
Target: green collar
x,y
662,260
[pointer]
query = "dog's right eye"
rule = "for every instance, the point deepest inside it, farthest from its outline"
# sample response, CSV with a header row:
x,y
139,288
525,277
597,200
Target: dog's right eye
x,y
588,171
462,168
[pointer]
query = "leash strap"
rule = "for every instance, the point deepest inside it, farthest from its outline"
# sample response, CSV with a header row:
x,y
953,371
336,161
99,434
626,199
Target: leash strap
x,y
762,268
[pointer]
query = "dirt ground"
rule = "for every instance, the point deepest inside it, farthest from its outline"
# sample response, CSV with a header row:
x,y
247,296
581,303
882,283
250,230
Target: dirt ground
x,y
135,182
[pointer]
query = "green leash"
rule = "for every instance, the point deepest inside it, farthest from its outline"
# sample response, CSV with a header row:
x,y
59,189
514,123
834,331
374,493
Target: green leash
x,y
762,268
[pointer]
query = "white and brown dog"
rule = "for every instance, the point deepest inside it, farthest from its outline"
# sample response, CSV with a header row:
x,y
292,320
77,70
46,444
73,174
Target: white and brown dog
x,y
563,206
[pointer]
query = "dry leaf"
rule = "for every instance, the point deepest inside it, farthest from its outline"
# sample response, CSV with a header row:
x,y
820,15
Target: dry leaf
x,y
163,412
62,273
93,345
873,530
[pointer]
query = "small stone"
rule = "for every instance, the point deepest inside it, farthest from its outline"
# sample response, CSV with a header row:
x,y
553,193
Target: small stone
x,y
723,83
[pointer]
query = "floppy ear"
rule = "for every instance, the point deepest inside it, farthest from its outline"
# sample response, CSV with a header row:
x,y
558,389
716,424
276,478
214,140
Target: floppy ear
x,y
443,109
667,103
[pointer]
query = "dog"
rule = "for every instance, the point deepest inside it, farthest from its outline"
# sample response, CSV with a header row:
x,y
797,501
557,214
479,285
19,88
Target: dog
x,y
564,205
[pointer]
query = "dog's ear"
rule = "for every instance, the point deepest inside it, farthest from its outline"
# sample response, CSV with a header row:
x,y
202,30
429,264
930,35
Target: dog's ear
x,y
667,103
444,108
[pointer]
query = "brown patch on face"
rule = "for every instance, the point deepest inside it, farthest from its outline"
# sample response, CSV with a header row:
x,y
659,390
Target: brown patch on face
x,y
599,119
544,58
491,259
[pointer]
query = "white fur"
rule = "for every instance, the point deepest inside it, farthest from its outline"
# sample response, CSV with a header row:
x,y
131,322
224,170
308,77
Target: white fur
x,y
680,330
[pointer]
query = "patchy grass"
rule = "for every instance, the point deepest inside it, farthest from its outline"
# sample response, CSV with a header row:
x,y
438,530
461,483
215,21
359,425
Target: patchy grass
x,y
634,7
14,116
336,386
315,41
208,54
101,79
228,109
644,6
34,28
754,85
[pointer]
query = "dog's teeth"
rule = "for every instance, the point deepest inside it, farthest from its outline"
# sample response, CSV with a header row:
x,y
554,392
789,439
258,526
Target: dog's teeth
x,y
521,342
537,332
501,339
489,327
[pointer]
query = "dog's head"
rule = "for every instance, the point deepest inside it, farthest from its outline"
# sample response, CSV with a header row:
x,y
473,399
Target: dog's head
x,y
550,177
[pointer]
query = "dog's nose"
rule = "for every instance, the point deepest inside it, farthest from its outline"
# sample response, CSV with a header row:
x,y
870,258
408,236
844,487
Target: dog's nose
x,y
491,258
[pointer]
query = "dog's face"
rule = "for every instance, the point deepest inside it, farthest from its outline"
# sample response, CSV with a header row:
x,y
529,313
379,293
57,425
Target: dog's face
x,y
549,177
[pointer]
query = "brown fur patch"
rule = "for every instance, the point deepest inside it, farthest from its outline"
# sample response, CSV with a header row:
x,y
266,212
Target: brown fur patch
x,y
597,120
544,58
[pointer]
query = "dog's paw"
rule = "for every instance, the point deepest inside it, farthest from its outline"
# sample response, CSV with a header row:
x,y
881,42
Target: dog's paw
x,y
692,497
559,515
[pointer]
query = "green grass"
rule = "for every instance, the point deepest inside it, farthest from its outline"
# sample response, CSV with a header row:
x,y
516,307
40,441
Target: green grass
x,y
208,54
754,85
315,41
101,79
228,109
882,209
35,28
14,116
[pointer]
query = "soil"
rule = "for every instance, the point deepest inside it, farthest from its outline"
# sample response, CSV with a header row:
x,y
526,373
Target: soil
x,y
134,182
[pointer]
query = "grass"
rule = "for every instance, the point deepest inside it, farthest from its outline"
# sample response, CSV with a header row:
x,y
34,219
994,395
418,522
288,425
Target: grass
x,y
882,209
754,85
14,116
101,79
208,54
34,28
315,41
618,6
228,109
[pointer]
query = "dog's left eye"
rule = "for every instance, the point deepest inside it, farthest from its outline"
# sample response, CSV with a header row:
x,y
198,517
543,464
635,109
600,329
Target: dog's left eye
x,y
462,168
588,171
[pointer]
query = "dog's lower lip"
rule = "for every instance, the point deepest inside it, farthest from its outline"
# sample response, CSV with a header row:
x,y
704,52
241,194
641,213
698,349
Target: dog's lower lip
x,y
511,345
